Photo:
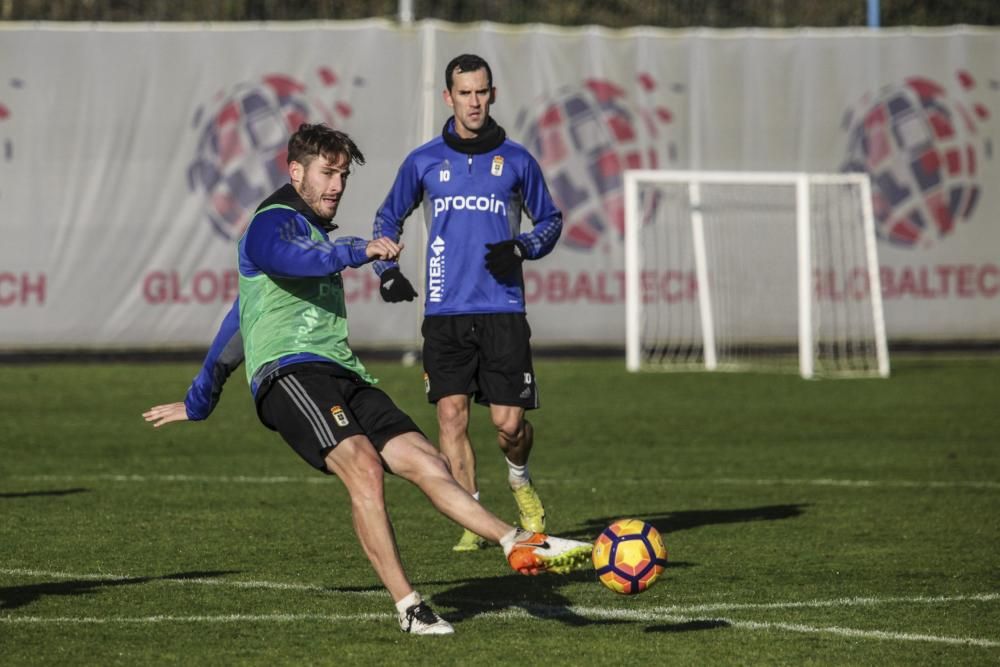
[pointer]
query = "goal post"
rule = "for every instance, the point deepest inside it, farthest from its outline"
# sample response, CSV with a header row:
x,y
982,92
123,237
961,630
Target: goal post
x,y
752,271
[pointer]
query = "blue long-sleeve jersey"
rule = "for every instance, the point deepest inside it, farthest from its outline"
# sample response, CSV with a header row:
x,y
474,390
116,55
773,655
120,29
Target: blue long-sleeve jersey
x,y
224,356
277,243
470,199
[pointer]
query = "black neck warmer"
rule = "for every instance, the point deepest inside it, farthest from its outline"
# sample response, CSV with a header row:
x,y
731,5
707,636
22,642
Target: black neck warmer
x,y
488,139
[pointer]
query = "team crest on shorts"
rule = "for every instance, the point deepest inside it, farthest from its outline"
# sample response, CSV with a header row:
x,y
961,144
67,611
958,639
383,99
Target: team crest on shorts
x,y
427,383
338,415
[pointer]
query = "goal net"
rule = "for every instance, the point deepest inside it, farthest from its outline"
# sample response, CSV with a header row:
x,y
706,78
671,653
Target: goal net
x,y
752,271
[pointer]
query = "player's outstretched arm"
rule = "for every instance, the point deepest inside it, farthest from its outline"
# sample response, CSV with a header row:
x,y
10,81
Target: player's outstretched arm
x,y
159,415
224,356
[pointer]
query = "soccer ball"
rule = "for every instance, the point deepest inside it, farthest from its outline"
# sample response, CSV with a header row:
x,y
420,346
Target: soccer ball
x,y
629,556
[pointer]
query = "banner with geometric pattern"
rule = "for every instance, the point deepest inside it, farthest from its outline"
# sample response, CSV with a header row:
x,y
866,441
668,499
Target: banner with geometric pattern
x,y
132,155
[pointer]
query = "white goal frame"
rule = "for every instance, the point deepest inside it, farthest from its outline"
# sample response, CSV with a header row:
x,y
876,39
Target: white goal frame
x,y
801,182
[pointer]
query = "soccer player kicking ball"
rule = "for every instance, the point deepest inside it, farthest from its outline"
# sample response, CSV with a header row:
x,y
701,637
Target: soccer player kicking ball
x,y
310,387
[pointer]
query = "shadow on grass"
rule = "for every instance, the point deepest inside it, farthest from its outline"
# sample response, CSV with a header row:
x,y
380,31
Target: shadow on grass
x,y
14,597
673,522
37,494
539,597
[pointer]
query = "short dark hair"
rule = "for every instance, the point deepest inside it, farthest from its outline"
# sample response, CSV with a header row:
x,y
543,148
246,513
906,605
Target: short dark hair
x,y
311,141
466,62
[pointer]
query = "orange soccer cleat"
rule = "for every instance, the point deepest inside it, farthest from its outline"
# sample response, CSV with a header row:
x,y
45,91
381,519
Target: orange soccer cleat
x,y
535,553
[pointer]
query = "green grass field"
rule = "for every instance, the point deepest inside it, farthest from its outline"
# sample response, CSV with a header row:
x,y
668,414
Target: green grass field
x,y
826,522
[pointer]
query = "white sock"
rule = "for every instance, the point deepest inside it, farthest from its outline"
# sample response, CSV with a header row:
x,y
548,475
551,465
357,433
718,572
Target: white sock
x,y
407,602
507,541
517,475
475,496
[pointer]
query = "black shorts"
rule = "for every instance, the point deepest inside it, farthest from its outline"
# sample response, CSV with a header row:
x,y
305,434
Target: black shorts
x,y
487,356
314,408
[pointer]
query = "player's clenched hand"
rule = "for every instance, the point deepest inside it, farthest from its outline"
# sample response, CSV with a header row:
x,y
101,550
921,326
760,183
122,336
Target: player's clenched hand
x,y
394,286
504,257
159,415
383,248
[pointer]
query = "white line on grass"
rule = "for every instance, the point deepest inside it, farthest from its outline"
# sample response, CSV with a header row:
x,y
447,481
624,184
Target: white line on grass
x,y
670,614
861,634
280,479
593,613
167,618
651,616
45,574
213,479
865,483
817,604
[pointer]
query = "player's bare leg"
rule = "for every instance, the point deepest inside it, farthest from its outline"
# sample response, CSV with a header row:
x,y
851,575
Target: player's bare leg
x,y
413,458
453,439
355,461
515,436
357,464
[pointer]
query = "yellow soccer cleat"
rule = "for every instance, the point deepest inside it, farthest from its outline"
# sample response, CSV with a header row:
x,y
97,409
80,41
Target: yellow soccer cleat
x,y
529,507
469,542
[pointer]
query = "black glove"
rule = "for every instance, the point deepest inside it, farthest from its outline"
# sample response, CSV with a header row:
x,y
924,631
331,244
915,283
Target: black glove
x,y
395,287
504,257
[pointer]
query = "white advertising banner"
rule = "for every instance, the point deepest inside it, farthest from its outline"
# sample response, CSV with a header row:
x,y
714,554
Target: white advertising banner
x,y
131,157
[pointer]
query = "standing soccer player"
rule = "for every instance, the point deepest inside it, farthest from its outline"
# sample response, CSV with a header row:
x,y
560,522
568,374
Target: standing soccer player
x,y
311,388
475,183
